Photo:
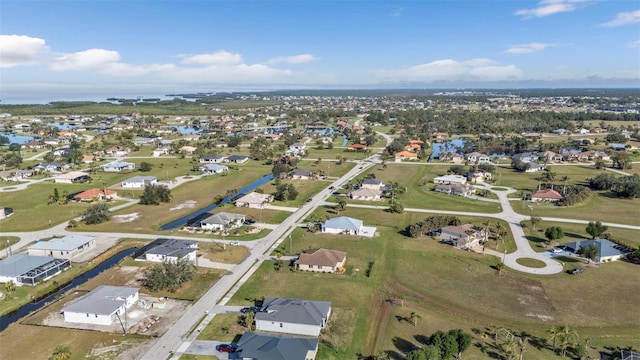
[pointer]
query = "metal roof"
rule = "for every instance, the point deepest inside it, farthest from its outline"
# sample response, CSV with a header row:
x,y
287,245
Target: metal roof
x,y
20,264
276,347
344,223
67,243
103,300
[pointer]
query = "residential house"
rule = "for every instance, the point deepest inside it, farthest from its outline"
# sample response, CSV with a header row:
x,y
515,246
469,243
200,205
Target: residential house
x,y
62,151
583,131
222,221
462,236
23,269
357,147
212,159
618,146
366,194
139,182
89,158
237,159
34,144
117,166
549,156
14,175
412,147
607,250
71,177
534,167
298,149
188,150
347,226
96,194
293,316
103,305
302,174
446,179
561,132
253,346
118,151
373,184
51,167
165,150
63,248
452,157
439,135
321,260
213,168
455,188
479,175
405,155
168,250
254,200
144,141
546,195
525,157
478,158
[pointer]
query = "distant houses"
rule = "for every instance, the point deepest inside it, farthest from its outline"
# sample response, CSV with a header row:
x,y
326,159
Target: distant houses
x,y
96,194
446,179
463,236
213,169
455,188
212,159
302,174
117,166
405,155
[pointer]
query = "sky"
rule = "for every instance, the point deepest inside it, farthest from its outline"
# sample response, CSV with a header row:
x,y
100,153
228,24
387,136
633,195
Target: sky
x,y
94,49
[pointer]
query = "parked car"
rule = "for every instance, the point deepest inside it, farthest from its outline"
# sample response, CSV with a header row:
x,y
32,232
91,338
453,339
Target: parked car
x,y
576,271
228,348
249,309
249,221
234,243
309,200
331,187
556,250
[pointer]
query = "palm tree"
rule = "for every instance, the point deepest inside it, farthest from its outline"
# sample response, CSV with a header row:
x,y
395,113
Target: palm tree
x,y
414,317
500,267
554,331
510,347
495,330
568,337
565,179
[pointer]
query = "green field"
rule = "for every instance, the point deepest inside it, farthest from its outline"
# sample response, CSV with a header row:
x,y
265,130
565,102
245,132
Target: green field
x,y
449,288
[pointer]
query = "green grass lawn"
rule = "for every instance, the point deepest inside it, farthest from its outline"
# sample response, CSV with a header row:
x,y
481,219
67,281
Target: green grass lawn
x,y
530,262
223,327
599,207
330,168
449,288
6,241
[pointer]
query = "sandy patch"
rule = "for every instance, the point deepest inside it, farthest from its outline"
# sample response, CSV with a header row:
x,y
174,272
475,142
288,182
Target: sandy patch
x,y
541,317
126,218
189,204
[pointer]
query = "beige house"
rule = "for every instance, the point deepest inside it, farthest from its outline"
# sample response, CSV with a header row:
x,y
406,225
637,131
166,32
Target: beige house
x,y
322,260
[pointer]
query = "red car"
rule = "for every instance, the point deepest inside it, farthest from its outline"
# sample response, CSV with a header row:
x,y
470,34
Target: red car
x,y
228,348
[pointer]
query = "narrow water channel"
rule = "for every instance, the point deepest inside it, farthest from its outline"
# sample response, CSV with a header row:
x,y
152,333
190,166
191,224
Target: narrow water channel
x,y
28,308
185,219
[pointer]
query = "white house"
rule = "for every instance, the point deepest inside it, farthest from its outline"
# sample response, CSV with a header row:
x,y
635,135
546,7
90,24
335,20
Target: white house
x,y
212,159
117,166
71,177
478,158
25,269
102,306
366,194
348,226
293,316
255,200
213,168
322,260
64,248
118,151
297,149
222,221
238,159
139,182
169,250
445,179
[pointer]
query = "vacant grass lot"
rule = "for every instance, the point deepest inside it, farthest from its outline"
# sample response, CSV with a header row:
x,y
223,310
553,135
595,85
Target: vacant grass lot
x,y
574,232
330,168
216,252
449,288
599,207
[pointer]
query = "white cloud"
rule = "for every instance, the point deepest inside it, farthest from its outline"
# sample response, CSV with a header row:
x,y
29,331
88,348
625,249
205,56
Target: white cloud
x,y
295,59
397,12
18,50
550,7
634,44
527,48
451,70
92,59
623,18
220,58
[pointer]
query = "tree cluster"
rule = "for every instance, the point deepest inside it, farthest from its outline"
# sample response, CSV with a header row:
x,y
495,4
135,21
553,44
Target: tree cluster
x,y
285,192
431,223
155,194
96,214
574,195
443,346
595,229
554,233
169,275
625,186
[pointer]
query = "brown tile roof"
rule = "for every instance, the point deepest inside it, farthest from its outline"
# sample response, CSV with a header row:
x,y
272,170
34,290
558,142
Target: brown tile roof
x,y
321,257
95,192
547,194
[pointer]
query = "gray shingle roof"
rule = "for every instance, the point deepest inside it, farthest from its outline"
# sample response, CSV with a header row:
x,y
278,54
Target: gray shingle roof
x,y
295,311
343,222
222,218
275,347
